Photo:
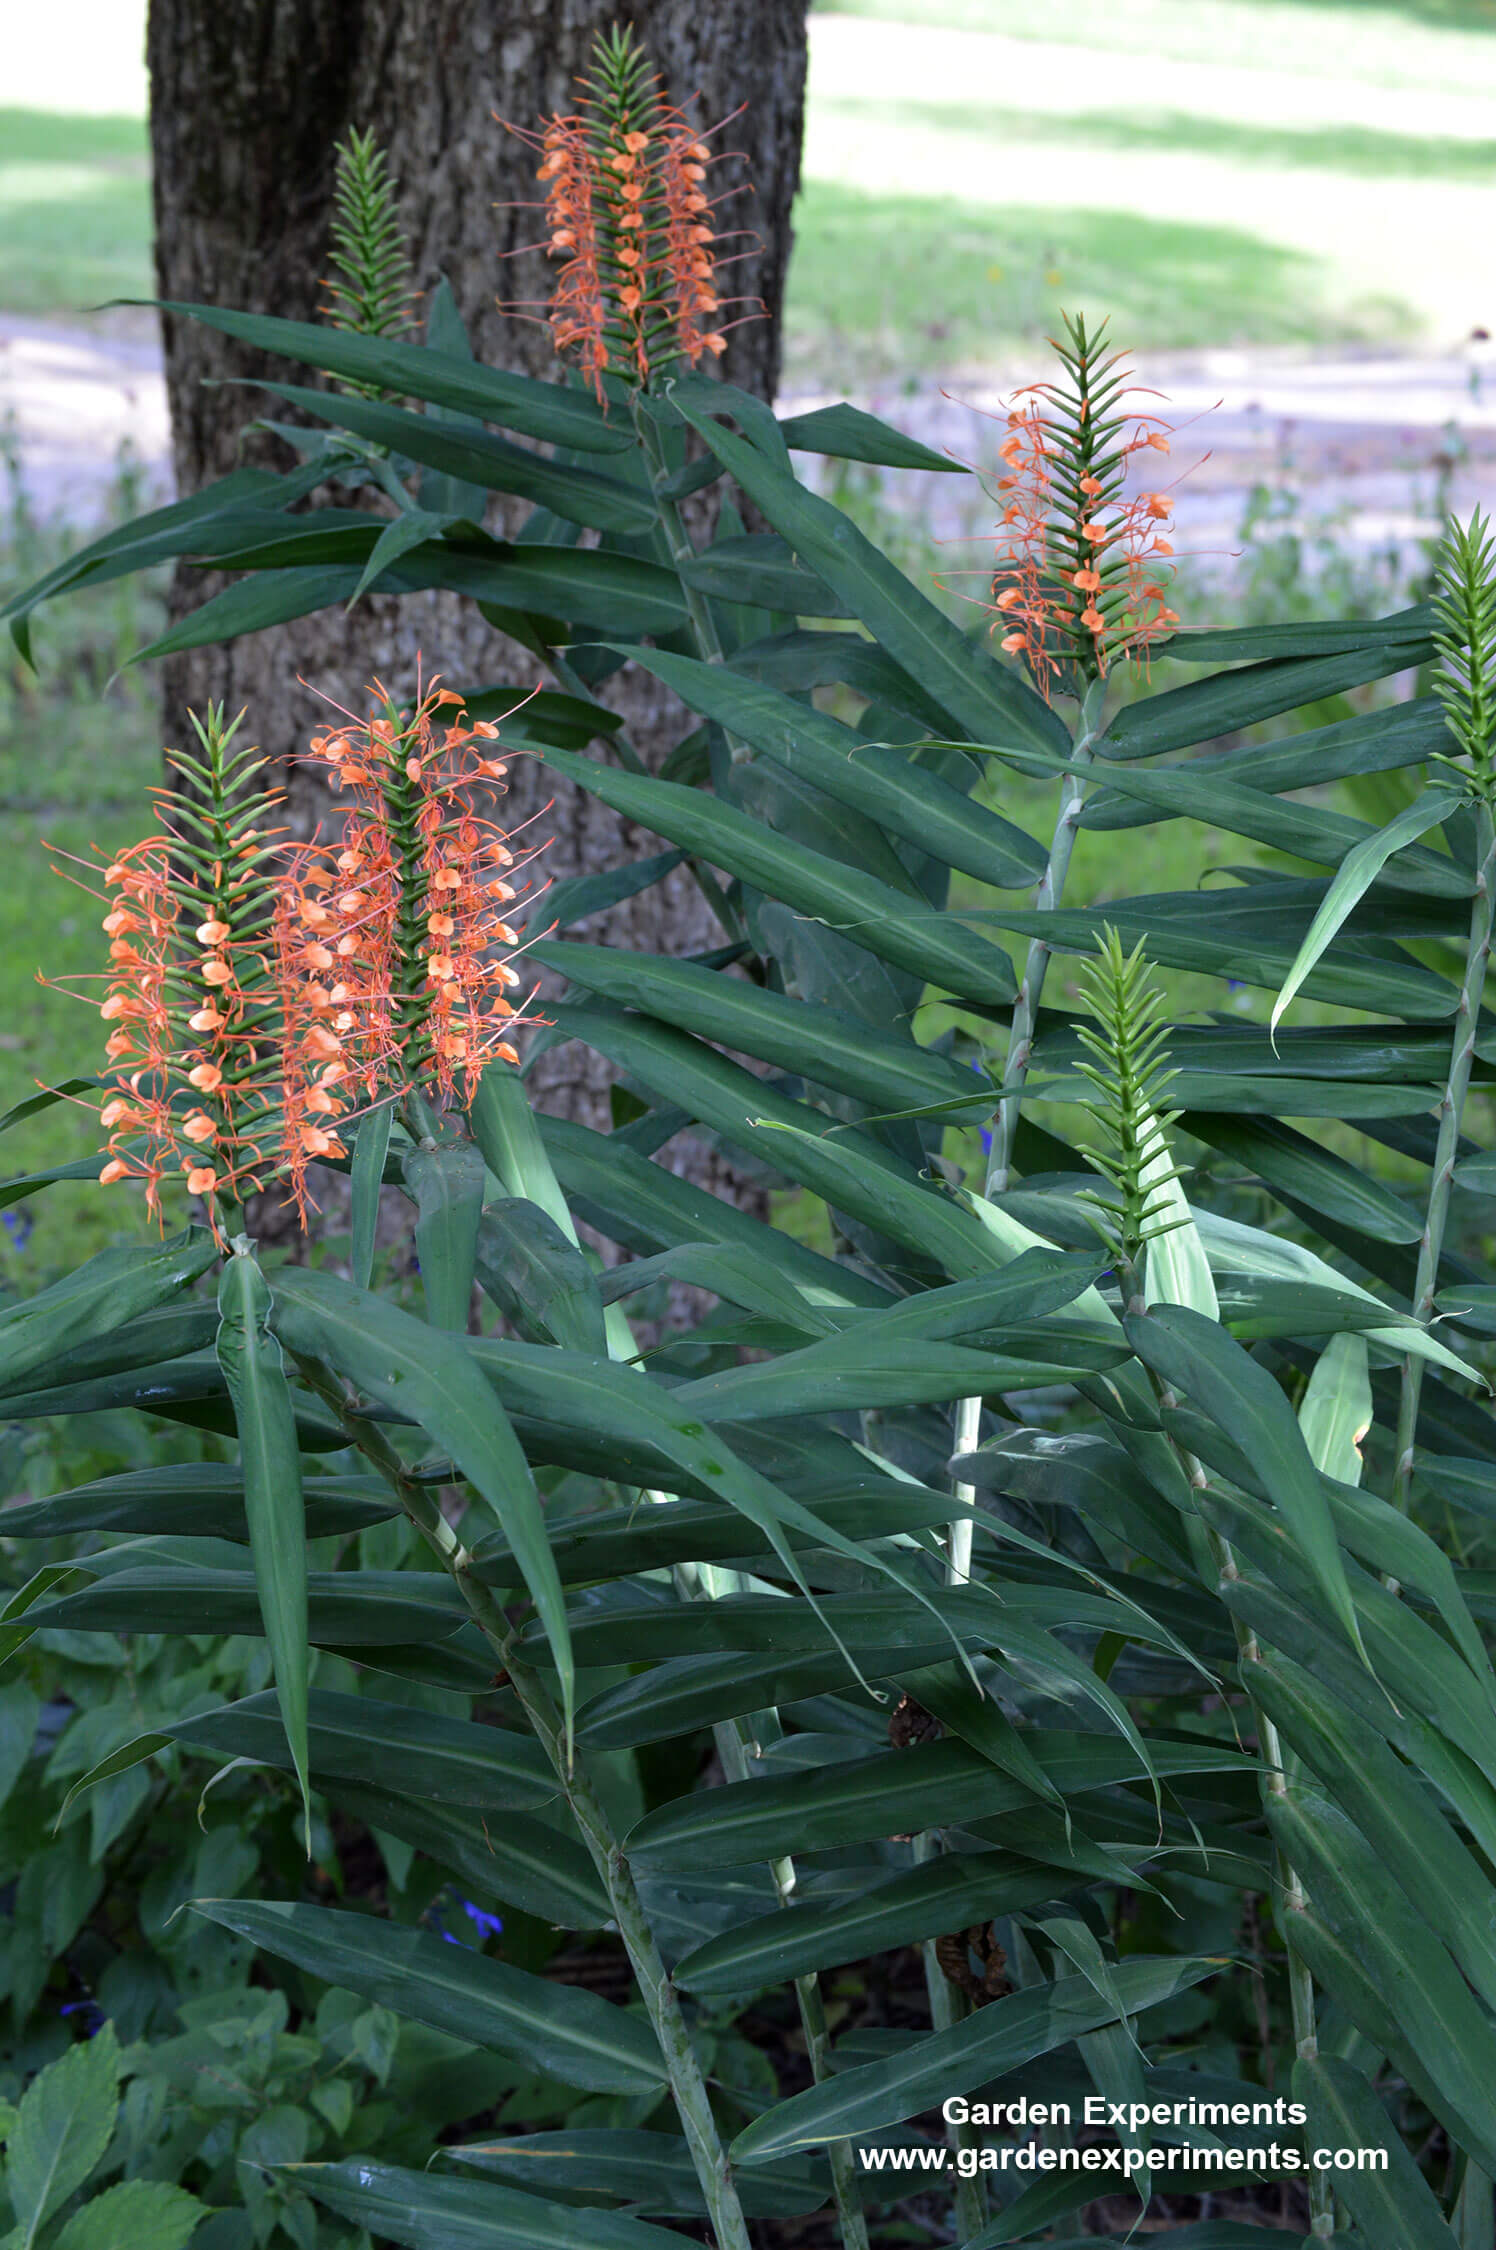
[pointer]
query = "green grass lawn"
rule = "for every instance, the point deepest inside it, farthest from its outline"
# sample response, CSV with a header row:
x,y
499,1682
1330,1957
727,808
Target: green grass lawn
x,y
75,211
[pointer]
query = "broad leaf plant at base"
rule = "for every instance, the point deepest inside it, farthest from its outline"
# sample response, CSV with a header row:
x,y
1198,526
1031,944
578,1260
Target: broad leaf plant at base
x,y
1032,1644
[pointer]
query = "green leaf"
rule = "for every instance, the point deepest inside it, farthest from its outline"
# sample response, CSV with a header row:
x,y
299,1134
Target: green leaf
x,y
1317,636
1402,734
578,897
1392,1809
1376,1955
979,693
651,2171
1252,934
429,1377
1231,701
648,1208
555,413
560,2029
1196,1356
192,1496
798,660
1335,1410
62,2128
270,1456
873,1063
620,1542
539,1865
447,1185
370,1148
934,1785
948,1893
253,604
414,529
104,1294
1358,871
431,2211
1394,2204
540,1281
853,1173
886,922
873,778
474,457
384,1745
370,1608
760,570
992,2043
848,434
134,2215
1295,1165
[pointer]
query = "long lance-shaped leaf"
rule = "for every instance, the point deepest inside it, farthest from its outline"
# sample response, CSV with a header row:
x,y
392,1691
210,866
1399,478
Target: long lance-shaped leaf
x,y
1307,831
345,1609
992,2043
848,434
447,1184
430,1378
269,1452
938,1785
552,412
192,1496
1231,701
948,1893
1415,1843
433,2211
853,1173
1393,2203
1383,1964
979,693
881,919
647,1208
105,1294
1294,1631
370,1149
1292,1163
569,2033
1313,636
1357,872
384,1745
578,495
875,1064
1196,1356
871,777
156,537
651,2171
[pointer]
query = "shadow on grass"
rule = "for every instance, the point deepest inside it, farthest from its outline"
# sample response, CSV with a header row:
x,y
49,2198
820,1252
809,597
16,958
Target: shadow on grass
x,y
1330,148
75,211
890,285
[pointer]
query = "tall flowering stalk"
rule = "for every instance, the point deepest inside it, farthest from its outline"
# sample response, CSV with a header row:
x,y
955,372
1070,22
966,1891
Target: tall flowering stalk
x,y
192,1002
1082,567
391,939
630,223
369,291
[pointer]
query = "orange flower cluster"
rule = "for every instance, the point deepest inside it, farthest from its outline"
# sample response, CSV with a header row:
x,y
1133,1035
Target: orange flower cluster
x,y
1082,569
391,941
259,993
191,1009
630,221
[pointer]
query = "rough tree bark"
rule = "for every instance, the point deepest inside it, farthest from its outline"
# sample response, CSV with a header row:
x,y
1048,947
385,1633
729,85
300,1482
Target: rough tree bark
x,y
247,102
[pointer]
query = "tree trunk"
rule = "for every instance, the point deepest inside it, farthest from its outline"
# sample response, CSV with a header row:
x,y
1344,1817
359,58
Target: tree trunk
x,y
247,102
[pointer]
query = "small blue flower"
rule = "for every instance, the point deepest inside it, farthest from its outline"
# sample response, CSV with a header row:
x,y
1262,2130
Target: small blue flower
x,y
18,1227
91,2012
487,1925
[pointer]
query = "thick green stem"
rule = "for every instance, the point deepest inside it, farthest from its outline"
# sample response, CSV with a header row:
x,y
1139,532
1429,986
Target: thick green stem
x,y
947,2008
1451,1119
661,2001
678,540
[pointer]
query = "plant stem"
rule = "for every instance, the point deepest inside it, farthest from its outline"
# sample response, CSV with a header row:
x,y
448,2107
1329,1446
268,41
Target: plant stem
x,y
1050,891
947,2008
678,540
661,2001
1446,1153
733,1746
